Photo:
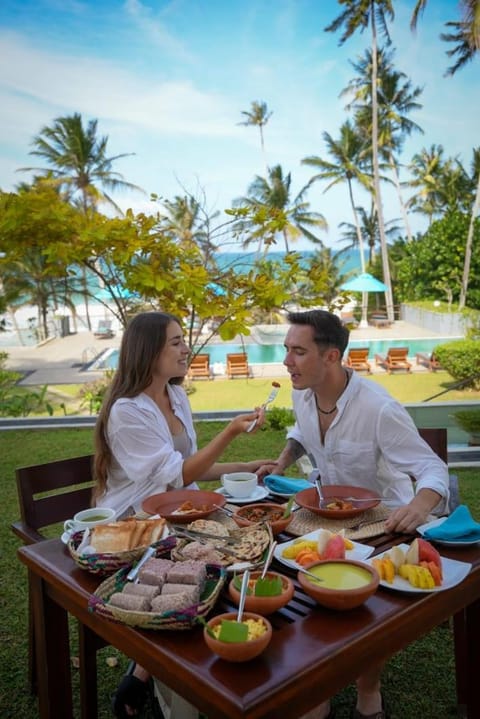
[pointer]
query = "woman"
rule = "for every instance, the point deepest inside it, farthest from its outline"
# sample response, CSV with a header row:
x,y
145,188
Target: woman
x,y
145,439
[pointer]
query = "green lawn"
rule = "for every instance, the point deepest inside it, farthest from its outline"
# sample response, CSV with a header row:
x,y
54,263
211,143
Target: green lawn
x,y
243,394
419,682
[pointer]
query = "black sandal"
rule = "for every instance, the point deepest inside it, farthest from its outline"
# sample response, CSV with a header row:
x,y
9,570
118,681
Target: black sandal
x,y
131,691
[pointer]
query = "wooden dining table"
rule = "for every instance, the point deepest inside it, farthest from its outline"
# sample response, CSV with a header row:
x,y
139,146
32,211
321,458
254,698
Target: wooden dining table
x,y
314,652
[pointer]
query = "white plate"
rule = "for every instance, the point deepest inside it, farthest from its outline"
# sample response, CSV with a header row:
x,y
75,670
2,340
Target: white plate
x,y
447,542
454,572
258,494
359,551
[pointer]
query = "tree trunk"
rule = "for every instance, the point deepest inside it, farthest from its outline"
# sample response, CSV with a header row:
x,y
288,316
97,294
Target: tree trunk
x,y
376,173
363,321
403,209
468,248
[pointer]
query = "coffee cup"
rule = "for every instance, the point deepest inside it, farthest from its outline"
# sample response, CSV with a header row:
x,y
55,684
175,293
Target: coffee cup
x,y
88,518
239,484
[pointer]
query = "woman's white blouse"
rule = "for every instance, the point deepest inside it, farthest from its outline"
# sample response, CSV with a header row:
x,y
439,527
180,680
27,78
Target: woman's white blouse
x,y
145,461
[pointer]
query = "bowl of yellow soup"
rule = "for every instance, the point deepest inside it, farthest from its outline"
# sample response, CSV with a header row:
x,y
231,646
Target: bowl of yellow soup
x,y
339,583
258,638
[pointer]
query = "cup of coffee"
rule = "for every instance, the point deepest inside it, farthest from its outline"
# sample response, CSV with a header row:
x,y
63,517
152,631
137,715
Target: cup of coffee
x,y
88,518
239,484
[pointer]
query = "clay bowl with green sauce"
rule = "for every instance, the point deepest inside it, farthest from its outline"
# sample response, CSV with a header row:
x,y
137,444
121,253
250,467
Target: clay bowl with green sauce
x,y
238,651
345,583
266,604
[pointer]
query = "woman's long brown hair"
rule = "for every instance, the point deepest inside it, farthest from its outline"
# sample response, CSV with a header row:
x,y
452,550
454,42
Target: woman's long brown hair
x,y
143,340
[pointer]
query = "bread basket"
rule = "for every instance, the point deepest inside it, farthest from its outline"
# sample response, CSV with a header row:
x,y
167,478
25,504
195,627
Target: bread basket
x,y
104,564
171,620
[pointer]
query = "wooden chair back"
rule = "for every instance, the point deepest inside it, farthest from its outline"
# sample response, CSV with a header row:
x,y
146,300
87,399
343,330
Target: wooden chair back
x,y
47,494
50,493
237,364
436,438
200,367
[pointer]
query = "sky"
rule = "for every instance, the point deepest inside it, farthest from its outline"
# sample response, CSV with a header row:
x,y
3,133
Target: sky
x,y
168,81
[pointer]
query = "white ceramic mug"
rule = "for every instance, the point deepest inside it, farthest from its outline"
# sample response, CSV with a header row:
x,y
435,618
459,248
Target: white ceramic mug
x,y
88,518
239,484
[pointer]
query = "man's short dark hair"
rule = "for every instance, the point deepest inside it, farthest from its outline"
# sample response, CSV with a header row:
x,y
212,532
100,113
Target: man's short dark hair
x,y
327,327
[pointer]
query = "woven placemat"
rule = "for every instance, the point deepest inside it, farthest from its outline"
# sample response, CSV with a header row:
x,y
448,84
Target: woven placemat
x,y
305,521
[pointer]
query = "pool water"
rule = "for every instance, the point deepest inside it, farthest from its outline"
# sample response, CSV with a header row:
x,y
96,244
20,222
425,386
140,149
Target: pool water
x,y
267,354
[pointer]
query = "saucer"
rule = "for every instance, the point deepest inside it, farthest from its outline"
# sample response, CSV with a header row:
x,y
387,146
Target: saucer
x,y
257,494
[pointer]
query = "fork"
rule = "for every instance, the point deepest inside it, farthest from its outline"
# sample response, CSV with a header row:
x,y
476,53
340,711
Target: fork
x,y
270,398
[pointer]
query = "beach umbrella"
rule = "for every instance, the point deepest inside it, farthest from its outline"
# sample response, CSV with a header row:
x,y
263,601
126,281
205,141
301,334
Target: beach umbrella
x,y
364,283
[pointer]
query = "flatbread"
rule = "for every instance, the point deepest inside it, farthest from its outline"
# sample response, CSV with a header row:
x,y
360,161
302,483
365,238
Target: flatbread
x,y
209,526
252,544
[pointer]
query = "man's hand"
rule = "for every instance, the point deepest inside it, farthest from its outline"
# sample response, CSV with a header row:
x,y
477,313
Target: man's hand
x,y
271,468
407,519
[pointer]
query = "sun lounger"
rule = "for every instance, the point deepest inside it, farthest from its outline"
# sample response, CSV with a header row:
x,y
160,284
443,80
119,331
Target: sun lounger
x,y
396,358
200,367
379,320
358,360
237,365
104,330
428,361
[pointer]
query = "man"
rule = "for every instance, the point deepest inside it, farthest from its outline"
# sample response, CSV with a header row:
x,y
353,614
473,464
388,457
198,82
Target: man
x,y
356,434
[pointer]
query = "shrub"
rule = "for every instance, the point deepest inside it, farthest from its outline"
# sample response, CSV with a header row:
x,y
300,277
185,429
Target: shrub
x,y
93,393
461,359
279,418
17,401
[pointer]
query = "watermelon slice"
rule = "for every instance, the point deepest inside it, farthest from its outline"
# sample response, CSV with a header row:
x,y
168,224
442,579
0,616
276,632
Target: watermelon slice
x,y
335,548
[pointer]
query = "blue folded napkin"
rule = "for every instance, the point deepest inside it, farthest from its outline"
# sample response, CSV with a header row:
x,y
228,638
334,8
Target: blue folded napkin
x,y
458,527
285,485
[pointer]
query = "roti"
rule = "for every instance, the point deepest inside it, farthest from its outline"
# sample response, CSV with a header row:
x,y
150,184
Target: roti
x,y
209,526
251,544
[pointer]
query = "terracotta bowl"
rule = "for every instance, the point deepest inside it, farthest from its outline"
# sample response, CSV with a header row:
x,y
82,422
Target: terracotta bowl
x,y
308,499
347,584
263,510
264,605
238,651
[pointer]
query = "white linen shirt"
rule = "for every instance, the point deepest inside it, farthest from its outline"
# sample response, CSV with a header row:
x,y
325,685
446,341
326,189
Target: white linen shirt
x,y
144,459
371,443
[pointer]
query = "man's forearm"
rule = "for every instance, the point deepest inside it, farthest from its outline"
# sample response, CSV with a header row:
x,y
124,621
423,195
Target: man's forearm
x,y
293,450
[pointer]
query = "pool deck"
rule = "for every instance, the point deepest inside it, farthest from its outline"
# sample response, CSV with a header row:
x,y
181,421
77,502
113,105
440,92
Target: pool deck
x,y
62,359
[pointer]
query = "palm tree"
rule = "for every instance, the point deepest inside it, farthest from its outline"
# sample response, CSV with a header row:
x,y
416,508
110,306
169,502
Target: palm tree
x,y
258,116
348,154
187,221
426,169
358,15
271,198
467,42
396,99
79,166
369,228
78,161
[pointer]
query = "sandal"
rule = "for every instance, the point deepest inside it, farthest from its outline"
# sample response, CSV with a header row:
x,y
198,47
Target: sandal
x,y
131,691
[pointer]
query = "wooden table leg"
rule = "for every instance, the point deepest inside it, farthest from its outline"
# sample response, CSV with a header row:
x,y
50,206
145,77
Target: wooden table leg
x,y
460,644
466,626
88,643
52,653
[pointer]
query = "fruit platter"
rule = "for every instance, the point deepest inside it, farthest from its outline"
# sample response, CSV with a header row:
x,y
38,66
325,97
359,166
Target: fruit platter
x,y
317,545
418,567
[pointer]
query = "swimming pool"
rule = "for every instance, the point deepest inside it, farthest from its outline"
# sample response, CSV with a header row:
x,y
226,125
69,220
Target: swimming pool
x,y
266,354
